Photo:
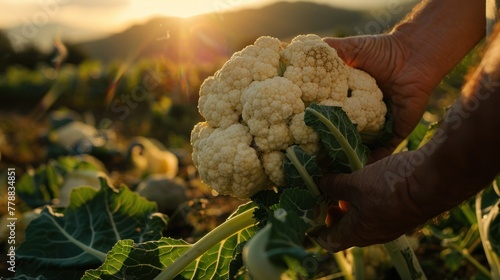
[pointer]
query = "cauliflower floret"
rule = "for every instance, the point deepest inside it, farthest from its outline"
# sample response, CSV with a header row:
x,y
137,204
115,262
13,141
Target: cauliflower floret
x,y
272,163
364,105
304,135
226,161
220,95
316,68
218,103
254,110
200,131
276,137
268,106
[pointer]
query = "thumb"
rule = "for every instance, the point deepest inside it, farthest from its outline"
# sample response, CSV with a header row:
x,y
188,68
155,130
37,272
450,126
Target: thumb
x,y
347,48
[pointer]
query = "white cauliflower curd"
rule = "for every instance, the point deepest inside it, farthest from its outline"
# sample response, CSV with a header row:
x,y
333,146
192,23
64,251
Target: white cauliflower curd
x,y
254,109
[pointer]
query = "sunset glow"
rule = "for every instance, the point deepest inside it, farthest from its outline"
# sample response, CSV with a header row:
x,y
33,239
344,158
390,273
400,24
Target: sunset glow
x,y
109,16
183,9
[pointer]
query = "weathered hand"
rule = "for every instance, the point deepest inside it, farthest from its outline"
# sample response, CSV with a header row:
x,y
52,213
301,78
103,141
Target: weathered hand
x,y
406,78
399,192
384,201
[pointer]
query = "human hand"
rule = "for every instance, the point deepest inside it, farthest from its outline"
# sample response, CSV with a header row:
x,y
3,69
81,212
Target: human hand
x,y
405,77
378,203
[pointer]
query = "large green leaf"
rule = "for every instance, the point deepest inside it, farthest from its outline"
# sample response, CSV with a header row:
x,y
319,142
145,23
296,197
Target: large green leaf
x,y
339,136
128,260
62,245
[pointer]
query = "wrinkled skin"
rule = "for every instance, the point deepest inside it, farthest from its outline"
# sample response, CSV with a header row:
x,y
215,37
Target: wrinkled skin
x,y
407,64
373,208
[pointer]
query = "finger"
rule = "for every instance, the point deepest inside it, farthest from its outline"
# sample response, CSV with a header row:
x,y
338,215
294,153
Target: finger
x,y
334,213
338,236
347,48
344,205
341,45
335,186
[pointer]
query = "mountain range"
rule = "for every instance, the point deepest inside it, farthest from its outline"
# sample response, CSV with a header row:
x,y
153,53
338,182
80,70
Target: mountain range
x,y
207,36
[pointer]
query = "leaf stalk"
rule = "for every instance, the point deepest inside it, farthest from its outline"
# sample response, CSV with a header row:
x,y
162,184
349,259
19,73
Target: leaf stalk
x,y
308,180
354,161
223,231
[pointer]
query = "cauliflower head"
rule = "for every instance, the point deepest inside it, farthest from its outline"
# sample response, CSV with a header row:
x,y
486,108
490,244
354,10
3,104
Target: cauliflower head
x,y
254,109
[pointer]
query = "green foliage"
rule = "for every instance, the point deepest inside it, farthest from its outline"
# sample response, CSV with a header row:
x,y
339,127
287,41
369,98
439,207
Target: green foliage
x,y
212,255
308,166
267,202
236,266
141,96
63,244
339,136
288,232
146,260
420,135
123,259
488,209
417,135
287,237
41,186
494,229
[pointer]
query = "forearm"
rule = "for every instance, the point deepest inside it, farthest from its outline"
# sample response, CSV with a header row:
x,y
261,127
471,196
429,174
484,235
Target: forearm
x,y
441,32
462,158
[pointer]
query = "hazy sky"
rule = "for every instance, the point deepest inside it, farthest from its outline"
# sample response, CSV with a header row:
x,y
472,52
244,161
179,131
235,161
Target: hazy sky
x,y
113,15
